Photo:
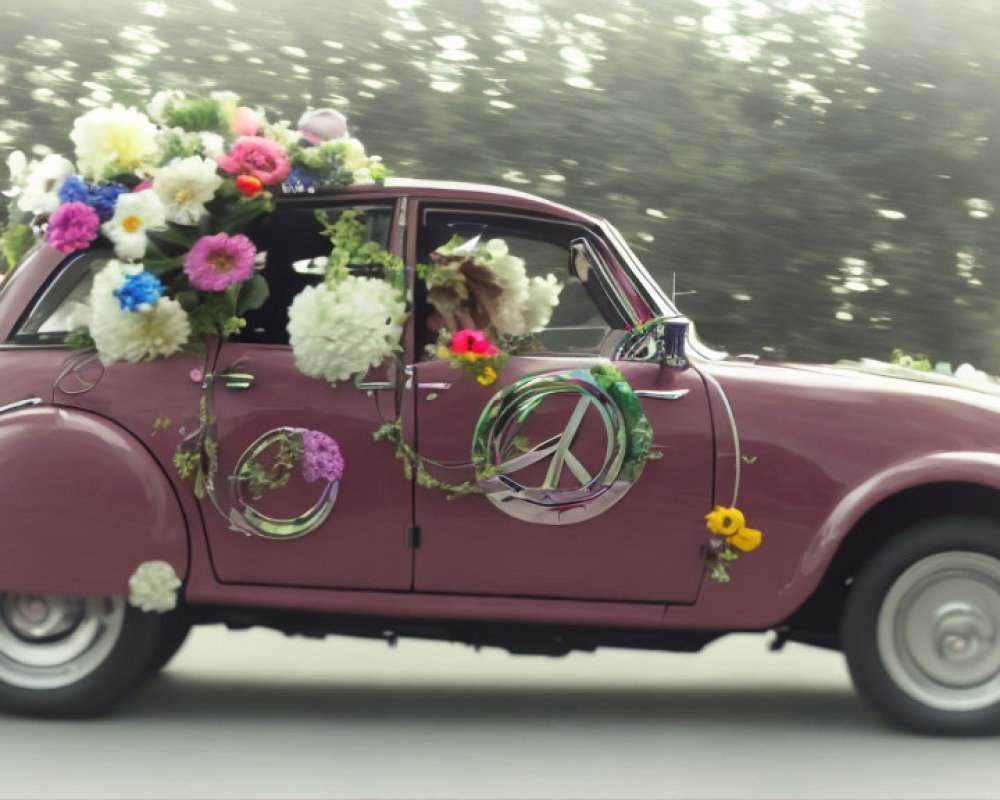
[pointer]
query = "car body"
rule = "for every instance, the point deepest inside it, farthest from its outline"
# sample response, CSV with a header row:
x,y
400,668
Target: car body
x,y
835,464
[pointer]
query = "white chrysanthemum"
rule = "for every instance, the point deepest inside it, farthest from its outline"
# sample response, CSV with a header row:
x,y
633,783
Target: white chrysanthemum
x,y
160,103
135,214
343,330
35,185
133,335
543,297
111,141
185,185
153,587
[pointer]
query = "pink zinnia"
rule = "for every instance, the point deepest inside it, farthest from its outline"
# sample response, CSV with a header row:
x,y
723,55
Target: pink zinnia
x,y
217,262
72,226
257,156
469,341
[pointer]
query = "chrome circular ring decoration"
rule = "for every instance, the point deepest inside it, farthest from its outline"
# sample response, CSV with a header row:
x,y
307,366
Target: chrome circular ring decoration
x,y
51,641
938,631
499,457
244,517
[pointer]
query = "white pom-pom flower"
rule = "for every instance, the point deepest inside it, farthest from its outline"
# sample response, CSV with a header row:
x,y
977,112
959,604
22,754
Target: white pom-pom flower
x,y
153,587
543,297
342,330
111,141
133,336
135,214
185,185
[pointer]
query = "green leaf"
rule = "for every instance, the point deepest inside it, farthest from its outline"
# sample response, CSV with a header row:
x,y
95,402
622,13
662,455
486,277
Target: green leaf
x,y
253,294
238,217
17,241
179,235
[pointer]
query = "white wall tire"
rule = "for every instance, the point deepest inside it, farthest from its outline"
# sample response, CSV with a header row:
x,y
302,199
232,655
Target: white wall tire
x,y
921,628
71,657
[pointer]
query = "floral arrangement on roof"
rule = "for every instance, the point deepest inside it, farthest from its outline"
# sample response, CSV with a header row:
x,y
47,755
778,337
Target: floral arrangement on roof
x,y
173,190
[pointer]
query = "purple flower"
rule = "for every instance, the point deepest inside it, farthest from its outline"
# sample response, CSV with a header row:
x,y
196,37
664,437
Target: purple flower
x,y
217,262
322,458
139,290
101,197
72,226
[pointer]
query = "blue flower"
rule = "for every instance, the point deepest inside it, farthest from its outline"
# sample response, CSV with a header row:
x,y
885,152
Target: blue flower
x,y
300,181
139,290
100,197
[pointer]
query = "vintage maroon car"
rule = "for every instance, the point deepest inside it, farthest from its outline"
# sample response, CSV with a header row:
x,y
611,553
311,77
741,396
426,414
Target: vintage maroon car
x,y
878,496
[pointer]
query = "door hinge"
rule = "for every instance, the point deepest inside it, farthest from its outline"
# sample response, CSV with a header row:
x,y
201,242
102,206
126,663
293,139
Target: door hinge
x,y
413,537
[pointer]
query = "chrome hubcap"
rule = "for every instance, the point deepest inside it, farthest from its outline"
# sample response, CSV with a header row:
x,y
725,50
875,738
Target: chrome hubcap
x,y
49,641
939,631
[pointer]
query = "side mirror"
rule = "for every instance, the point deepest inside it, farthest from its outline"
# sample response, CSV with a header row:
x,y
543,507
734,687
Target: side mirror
x,y
661,340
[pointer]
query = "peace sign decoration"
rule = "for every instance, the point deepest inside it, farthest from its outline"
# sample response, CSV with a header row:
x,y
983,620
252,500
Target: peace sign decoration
x,y
545,481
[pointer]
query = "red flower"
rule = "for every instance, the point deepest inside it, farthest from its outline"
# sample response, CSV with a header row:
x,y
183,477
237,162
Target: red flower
x,y
475,342
249,185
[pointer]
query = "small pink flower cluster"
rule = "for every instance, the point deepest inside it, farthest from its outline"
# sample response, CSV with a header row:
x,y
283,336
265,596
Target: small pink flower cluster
x,y
322,458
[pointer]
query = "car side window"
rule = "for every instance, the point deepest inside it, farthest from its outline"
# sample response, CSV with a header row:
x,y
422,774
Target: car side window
x,y
61,307
577,325
295,246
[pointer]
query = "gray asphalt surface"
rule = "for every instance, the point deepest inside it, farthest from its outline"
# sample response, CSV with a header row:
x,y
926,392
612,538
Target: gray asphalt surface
x,y
255,715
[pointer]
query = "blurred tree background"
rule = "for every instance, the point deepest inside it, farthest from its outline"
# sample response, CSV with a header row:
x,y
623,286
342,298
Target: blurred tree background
x,y
821,174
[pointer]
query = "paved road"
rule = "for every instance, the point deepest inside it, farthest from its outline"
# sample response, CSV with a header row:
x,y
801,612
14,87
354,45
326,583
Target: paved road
x,y
253,715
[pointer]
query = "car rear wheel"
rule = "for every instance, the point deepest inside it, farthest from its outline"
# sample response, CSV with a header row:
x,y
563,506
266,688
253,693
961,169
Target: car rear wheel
x,y
921,628
71,656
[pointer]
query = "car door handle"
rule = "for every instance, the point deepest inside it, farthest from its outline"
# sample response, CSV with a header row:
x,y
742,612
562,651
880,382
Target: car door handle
x,y
237,381
434,387
662,394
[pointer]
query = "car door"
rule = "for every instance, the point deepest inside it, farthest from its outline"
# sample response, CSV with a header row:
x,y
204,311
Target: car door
x,y
349,533
553,526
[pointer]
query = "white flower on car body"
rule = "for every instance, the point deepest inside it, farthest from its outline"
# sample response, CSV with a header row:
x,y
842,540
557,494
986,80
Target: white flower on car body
x,y
341,330
133,336
135,214
153,587
185,185
36,184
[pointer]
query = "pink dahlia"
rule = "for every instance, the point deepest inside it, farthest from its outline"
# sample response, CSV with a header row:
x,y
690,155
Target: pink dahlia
x,y
321,458
72,226
257,156
217,262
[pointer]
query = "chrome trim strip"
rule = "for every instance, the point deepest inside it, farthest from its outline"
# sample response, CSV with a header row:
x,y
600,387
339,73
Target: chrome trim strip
x,y
658,394
736,436
31,401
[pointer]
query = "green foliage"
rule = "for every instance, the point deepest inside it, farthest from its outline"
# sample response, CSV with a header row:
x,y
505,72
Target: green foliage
x,y
920,363
80,338
353,247
15,242
414,465
197,114
260,477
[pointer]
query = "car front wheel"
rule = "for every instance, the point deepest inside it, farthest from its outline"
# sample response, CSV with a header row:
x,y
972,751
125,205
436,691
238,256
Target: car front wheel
x,y
921,628
71,656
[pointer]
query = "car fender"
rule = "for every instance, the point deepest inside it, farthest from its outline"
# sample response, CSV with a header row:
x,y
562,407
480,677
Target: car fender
x,y
954,467
82,505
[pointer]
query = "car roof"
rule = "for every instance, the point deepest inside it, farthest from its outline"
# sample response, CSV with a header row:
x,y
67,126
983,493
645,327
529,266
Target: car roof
x,y
465,192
